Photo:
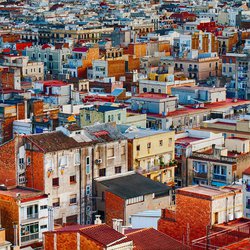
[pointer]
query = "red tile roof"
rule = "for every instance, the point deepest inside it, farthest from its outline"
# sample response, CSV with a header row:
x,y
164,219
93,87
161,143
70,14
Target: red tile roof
x,y
152,95
103,234
237,138
151,239
83,49
247,171
187,140
241,245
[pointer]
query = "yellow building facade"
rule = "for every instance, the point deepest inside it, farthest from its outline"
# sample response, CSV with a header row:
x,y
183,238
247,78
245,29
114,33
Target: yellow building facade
x,y
152,154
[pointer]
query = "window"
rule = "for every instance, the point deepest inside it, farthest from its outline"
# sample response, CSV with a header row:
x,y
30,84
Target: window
x,y
118,170
102,172
230,69
43,207
144,90
161,142
87,165
63,161
149,145
110,152
72,199
72,179
32,212
159,90
56,202
77,158
88,190
87,117
220,172
224,69
134,200
55,182
28,160
43,227
119,117
29,232
138,147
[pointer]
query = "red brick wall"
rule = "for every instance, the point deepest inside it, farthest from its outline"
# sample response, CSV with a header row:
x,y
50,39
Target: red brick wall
x,y
9,215
8,163
133,63
35,172
116,68
138,50
66,241
7,128
37,107
93,54
21,111
7,80
189,210
48,241
114,207
86,243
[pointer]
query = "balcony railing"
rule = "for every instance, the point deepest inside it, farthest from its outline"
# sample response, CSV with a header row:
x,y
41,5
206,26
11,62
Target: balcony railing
x,y
32,216
200,175
30,237
219,177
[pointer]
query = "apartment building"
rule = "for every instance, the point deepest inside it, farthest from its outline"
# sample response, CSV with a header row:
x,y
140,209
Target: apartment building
x,y
196,94
52,162
186,144
219,166
200,68
157,85
29,69
53,91
52,57
11,78
48,35
129,193
204,205
151,153
229,127
107,68
103,113
24,213
80,60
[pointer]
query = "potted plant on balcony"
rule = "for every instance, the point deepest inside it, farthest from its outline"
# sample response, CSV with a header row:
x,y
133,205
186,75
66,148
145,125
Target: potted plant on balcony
x,y
172,163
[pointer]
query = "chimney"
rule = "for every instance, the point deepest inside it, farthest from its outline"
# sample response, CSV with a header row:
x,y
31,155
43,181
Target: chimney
x,y
117,225
98,221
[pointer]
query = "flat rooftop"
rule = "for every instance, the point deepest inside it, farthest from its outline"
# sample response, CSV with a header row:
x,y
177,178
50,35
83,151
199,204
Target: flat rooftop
x,y
187,140
208,192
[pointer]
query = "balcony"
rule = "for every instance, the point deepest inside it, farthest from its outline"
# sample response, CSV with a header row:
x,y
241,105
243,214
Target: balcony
x,y
200,175
32,216
30,237
219,177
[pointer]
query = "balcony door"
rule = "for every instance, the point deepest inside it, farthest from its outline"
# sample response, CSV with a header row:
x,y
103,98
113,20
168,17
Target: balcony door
x,y
32,212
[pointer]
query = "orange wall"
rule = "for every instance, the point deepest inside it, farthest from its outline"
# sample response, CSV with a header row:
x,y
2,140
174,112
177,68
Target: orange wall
x,y
35,172
190,211
114,208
